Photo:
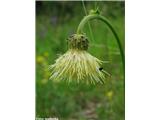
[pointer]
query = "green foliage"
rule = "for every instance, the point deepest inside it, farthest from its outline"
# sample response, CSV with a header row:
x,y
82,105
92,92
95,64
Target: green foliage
x,y
55,21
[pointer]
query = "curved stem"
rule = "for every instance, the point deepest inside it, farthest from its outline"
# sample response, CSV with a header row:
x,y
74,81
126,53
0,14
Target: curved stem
x,y
102,18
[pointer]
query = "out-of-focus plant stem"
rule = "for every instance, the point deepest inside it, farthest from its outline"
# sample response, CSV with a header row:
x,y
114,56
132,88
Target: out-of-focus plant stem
x,y
106,21
89,25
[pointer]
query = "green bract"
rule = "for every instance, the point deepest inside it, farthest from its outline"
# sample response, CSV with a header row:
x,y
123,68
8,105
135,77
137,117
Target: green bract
x,y
78,41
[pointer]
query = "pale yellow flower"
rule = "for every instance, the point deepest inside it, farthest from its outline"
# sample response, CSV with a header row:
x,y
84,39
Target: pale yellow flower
x,y
77,64
109,94
39,59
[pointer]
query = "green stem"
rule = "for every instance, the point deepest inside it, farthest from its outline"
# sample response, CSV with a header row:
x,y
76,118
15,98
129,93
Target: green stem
x,y
90,30
102,18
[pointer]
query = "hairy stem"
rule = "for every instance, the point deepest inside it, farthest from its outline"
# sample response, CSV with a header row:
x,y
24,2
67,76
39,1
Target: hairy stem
x,y
102,18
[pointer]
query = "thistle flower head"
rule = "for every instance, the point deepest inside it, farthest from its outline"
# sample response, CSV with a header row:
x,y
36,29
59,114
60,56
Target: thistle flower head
x,y
77,64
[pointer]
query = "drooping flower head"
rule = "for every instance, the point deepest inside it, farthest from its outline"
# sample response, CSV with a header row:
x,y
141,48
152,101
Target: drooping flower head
x,y
77,64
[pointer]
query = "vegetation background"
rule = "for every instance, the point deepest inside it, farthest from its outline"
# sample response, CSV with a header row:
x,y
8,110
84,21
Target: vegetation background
x,y
55,21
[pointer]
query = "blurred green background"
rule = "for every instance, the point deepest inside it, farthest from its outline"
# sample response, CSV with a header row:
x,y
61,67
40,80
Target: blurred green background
x,y
55,21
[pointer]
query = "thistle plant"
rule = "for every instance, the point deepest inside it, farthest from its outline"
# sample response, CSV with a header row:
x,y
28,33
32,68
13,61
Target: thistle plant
x,y
77,64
